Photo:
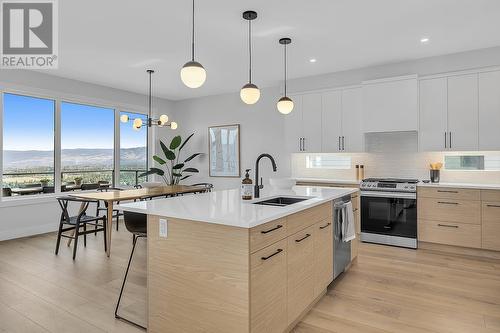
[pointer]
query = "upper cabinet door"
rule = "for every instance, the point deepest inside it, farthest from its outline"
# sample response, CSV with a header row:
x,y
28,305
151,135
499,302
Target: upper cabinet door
x,y
352,118
433,115
489,111
293,126
390,105
463,112
331,128
311,118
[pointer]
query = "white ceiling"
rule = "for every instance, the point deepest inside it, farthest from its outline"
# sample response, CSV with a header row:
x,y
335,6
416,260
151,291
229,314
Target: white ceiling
x,y
112,42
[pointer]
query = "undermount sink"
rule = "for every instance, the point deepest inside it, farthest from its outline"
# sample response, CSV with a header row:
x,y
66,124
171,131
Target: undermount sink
x,y
279,201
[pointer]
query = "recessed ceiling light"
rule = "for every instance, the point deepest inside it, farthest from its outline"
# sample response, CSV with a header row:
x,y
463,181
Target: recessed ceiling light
x,y
313,60
424,40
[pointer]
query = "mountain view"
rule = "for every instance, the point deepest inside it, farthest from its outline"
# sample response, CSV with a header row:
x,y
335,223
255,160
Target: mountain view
x,y
30,166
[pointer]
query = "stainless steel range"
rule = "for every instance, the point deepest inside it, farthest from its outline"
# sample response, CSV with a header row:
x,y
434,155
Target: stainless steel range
x,y
389,211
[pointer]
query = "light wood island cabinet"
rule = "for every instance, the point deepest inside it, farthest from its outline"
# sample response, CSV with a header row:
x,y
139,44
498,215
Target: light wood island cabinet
x,y
213,278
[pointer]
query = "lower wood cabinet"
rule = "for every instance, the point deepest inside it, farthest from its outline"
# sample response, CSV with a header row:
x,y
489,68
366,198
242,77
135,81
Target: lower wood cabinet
x,y
491,225
444,209
300,272
450,233
323,255
268,288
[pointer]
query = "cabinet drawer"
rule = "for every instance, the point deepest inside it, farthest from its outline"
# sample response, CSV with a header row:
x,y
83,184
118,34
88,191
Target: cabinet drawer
x,y
323,256
355,200
490,195
308,217
450,233
449,193
463,211
266,234
300,272
491,225
268,294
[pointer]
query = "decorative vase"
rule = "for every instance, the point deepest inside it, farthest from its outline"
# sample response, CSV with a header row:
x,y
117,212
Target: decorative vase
x,y
434,176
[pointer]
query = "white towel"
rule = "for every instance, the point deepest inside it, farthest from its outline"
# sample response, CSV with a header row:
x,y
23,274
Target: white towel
x,y
348,223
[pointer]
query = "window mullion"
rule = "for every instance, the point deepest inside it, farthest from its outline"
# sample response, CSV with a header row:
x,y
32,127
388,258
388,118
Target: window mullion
x,y
57,147
116,151
1,144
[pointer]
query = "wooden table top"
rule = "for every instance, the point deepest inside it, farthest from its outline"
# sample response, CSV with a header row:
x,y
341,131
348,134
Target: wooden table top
x,y
116,195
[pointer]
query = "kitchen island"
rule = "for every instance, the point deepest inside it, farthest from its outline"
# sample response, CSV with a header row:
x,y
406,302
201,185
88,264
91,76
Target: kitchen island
x,y
220,264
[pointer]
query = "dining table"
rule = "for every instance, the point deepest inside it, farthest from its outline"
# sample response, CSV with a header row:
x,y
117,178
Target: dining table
x,y
115,195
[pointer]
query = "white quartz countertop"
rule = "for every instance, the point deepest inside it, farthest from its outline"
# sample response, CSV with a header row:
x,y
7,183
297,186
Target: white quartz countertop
x,y
226,207
461,185
330,181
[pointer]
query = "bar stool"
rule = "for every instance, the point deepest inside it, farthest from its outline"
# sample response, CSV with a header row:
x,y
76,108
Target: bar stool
x,y
135,223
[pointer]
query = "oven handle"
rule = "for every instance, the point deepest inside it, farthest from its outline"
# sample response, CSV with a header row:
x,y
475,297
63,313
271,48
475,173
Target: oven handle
x,y
379,194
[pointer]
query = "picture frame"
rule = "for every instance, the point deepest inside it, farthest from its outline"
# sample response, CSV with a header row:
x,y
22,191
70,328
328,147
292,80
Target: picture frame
x,y
224,151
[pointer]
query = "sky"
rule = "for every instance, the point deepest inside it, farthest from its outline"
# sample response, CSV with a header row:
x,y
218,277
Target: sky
x,y
29,125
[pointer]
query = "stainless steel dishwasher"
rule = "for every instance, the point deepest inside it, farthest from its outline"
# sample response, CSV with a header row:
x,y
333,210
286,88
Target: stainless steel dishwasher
x,y
341,249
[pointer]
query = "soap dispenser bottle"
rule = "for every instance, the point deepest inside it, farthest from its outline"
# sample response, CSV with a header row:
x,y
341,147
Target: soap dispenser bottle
x,y
246,187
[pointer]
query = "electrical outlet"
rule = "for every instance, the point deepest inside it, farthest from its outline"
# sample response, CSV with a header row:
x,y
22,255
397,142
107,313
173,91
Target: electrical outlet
x,y
163,228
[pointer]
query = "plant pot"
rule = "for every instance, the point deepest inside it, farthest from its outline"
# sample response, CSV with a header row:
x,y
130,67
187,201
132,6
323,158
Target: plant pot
x,y
44,184
78,182
435,175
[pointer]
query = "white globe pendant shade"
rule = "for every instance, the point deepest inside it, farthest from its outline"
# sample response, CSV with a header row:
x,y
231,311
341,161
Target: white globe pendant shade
x,y
137,122
250,93
173,125
163,119
285,105
124,118
193,75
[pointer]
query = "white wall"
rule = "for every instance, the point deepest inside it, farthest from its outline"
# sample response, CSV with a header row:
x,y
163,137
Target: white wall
x,y
261,131
42,214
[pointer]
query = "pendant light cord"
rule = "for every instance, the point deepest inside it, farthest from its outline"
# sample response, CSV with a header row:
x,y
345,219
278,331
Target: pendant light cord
x,y
192,41
250,50
285,70
150,94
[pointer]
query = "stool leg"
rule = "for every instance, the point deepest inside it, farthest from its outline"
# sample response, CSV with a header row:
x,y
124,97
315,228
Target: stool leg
x,y
123,286
77,233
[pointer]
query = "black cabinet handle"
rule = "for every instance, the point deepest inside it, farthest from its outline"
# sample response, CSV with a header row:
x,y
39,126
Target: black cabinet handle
x,y
339,143
445,143
300,240
450,139
495,206
355,209
270,230
272,255
447,203
343,143
447,191
323,227
447,225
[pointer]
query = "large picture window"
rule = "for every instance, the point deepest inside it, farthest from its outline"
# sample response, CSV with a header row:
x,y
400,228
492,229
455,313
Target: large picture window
x,y
28,145
87,145
133,150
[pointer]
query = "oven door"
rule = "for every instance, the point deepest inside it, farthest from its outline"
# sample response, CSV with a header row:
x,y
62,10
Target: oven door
x,y
389,213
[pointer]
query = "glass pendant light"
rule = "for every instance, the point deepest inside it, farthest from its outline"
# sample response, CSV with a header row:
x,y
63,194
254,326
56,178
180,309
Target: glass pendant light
x,y
250,93
193,75
285,103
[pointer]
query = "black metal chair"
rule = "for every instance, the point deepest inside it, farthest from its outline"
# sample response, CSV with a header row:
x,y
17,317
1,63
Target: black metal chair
x,y
116,212
135,223
77,222
6,192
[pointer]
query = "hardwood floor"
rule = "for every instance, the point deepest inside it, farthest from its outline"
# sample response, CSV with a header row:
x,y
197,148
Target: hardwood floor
x,y
387,290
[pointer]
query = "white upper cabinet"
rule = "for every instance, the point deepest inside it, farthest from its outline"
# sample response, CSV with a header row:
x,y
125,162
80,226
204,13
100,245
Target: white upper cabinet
x,y
463,112
303,124
352,117
489,111
390,104
293,126
331,127
433,133
311,117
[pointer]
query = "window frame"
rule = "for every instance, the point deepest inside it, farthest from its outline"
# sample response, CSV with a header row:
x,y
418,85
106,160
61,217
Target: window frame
x,y
58,97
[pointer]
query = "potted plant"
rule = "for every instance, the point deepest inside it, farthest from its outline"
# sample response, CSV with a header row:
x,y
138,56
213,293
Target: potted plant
x,y
172,168
44,182
78,181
